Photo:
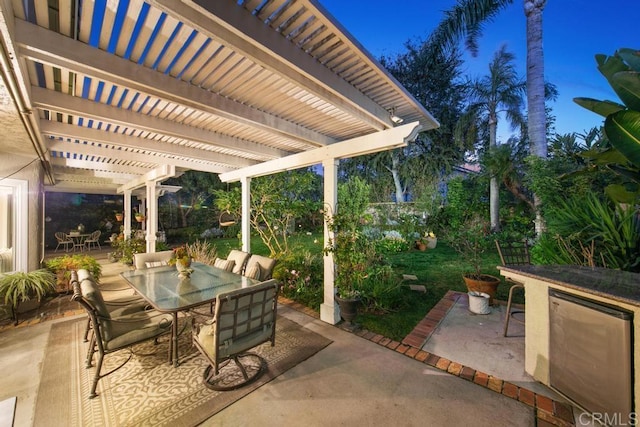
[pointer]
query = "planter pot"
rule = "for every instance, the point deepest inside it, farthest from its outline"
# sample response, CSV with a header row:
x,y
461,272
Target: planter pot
x,y
432,242
348,308
119,217
140,218
479,303
184,268
421,246
483,283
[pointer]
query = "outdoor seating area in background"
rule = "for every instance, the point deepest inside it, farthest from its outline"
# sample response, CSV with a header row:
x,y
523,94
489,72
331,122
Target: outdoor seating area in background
x,y
77,241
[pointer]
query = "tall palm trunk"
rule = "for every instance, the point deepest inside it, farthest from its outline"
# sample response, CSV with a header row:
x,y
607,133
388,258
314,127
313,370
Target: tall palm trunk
x,y
535,90
494,192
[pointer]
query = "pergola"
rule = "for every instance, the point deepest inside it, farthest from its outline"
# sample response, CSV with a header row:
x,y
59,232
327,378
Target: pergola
x,y
116,96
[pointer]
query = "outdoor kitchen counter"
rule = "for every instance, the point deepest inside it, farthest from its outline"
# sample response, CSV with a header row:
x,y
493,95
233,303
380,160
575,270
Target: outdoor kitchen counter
x,y
605,286
614,285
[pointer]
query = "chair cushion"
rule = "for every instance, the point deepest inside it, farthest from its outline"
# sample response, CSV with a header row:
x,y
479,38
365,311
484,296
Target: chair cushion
x,y
140,260
253,272
266,265
240,258
132,328
224,264
151,264
91,293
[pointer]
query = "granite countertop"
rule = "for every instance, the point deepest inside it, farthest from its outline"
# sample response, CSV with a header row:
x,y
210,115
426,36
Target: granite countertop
x,y
618,285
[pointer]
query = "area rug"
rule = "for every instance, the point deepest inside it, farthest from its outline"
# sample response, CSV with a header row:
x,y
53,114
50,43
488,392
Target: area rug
x,y
147,391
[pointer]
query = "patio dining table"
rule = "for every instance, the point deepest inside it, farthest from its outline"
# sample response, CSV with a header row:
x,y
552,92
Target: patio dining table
x,y
78,239
166,292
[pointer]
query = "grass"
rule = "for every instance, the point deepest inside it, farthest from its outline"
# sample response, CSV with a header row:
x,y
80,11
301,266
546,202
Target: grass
x,y
439,270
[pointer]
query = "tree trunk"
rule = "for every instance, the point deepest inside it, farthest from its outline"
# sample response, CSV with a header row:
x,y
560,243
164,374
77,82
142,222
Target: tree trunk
x,y
535,89
395,172
494,194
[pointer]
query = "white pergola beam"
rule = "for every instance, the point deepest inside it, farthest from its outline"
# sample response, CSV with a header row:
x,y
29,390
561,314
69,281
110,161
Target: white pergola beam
x,y
76,106
57,129
379,141
156,175
76,164
94,150
49,47
230,25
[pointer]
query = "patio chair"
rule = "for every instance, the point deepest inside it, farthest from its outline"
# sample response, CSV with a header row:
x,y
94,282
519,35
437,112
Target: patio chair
x,y
240,258
117,306
513,253
93,240
243,319
111,333
151,259
259,267
63,240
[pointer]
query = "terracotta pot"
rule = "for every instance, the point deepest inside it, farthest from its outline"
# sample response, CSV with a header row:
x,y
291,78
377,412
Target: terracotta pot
x,y
483,283
421,246
119,217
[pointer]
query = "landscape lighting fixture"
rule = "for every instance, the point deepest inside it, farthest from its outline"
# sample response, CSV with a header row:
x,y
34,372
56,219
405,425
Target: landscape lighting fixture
x,y
395,119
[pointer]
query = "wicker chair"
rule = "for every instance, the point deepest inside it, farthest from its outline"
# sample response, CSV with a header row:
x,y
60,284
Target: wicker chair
x,y
513,253
111,333
63,240
93,240
243,319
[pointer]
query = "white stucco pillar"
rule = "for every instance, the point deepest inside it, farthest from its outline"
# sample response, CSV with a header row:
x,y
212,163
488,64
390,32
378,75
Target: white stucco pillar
x,y
245,225
127,214
329,311
151,216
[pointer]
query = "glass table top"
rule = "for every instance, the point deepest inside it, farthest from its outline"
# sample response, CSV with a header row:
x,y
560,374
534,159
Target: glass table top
x,y
163,289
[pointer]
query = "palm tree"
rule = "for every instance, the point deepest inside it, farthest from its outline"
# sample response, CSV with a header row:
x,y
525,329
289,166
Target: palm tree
x,y
465,20
501,91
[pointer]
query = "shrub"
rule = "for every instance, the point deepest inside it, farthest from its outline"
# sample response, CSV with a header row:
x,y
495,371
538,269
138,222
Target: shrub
x,y
62,267
301,276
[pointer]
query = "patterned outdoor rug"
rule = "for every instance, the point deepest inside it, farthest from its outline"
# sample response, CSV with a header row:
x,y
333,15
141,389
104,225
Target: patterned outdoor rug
x,y
147,391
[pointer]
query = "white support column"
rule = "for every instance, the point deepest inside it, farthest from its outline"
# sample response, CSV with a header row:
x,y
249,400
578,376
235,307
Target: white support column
x,y
329,311
127,214
245,228
151,216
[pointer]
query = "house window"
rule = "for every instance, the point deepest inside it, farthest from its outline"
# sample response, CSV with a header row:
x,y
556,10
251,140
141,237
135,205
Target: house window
x,y
13,225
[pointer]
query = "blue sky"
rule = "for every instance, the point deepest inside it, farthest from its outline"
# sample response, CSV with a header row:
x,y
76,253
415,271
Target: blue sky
x,y
574,31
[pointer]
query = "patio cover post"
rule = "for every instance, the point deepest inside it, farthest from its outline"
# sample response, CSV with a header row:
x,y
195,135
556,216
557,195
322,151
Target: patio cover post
x,y
151,216
245,224
127,214
329,311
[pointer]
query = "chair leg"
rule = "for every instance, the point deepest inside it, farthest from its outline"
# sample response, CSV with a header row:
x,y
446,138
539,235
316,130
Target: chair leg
x,y
86,331
90,351
509,302
96,377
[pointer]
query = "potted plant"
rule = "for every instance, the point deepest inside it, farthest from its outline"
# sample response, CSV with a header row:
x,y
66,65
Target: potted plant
x,y
471,240
62,267
352,252
24,291
119,216
182,260
427,241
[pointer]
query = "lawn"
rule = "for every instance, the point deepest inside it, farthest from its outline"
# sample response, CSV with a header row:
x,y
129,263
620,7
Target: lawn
x,y
439,270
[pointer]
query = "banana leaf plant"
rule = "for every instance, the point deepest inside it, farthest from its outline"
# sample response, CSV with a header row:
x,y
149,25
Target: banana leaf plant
x,y
622,122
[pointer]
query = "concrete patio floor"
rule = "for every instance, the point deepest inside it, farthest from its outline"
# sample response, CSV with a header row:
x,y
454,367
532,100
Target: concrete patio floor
x,y
361,378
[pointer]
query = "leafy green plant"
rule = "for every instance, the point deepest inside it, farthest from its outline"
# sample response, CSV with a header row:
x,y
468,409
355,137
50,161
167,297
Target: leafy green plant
x,y
471,240
301,275
20,287
124,249
352,252
622,122
587,230
62,267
